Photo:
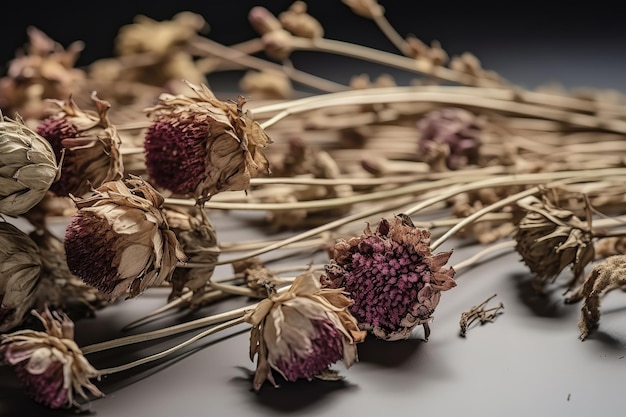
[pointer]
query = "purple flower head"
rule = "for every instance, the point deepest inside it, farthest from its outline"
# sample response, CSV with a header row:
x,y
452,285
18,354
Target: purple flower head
x,y
457,129
119,240
392,276
200,146
49,364
301,333
86,143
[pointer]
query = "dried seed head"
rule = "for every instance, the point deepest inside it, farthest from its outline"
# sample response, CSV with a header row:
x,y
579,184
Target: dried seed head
x,y
28,167
50,364
451,132
297,21
394,279
198,240
20,274
549,239
119,241
301,333
86,142
200,146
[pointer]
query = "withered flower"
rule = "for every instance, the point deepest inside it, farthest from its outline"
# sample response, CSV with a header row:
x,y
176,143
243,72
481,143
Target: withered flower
x,y
269,84
549,239
86,142
28,167
20,273
302,332
198,241
297,21
276,40
606,276
451,136
44,69
119,240
392,276
50,364
200,146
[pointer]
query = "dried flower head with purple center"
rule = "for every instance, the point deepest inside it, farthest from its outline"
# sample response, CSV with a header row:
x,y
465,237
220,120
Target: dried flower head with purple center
x,y
87,144
450,135
50,364
20,274
119,240
200,146
302,332
392,276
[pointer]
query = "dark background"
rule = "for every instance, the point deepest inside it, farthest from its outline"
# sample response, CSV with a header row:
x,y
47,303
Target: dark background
x,y
528,43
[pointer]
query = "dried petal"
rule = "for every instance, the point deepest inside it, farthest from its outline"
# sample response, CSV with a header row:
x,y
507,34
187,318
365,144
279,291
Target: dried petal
x,y
393,277
20,273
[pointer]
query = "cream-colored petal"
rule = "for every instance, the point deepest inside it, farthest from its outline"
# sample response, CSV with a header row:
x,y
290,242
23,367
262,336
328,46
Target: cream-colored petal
x,y
134,260
40,361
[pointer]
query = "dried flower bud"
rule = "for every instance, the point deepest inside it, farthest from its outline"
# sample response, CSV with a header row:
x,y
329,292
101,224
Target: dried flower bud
x,y
394,279
263,21
119,240
198,240
20,273
28,167
50,364
549,239
458,130
86,142
278,44
297,21
268,84
366,8
301,333
607,276
201,146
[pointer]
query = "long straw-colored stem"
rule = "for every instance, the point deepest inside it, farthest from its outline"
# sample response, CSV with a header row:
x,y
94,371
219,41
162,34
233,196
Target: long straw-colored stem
x,y
160,355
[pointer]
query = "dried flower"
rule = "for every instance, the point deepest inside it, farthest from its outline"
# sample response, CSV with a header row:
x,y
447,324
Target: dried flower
x,y
28,167
43,70
302,332
549,239
263,21
269,84
122,231
297,21
86,142
451,133
608,275
198,240
20,272
50,364
201,146
393,277
480,313
366,8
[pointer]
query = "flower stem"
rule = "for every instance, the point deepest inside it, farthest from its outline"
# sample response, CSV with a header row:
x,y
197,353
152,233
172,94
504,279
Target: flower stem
x,y
160,355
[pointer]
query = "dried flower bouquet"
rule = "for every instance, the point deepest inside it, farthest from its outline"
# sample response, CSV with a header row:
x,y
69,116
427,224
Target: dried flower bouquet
x,y
136,153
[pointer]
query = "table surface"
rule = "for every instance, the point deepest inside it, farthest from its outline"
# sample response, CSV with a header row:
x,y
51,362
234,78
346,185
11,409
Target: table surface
x,y
528,362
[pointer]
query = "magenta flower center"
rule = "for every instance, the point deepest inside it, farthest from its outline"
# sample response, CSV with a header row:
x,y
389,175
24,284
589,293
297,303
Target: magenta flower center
x,y
89,251
46,388
326,349
176,154
55,130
